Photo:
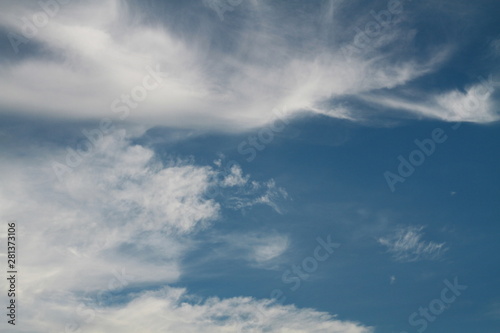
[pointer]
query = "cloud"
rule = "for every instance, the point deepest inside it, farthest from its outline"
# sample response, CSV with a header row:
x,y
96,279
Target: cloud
x,y
120,199
222,76
259,249
267,248
120,224
406,245
120,209
235,177
238,192
173,310
495,47
475,104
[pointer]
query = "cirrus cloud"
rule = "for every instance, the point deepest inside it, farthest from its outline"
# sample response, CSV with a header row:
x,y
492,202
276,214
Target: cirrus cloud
x,y
213,77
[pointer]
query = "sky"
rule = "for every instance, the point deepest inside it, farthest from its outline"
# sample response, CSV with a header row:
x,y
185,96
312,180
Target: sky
x,y
248,166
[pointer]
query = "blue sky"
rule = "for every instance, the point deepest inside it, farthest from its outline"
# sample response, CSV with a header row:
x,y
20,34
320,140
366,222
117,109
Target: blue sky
x,y
251,166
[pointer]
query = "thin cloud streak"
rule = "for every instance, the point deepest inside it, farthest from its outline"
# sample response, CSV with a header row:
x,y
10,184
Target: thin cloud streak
x,y
406,245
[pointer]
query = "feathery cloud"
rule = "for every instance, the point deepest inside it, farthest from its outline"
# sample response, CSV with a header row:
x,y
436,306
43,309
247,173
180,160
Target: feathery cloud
x,y
406,245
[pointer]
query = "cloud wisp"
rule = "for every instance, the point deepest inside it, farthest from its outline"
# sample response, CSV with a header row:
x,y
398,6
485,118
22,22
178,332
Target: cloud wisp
x,y
406,245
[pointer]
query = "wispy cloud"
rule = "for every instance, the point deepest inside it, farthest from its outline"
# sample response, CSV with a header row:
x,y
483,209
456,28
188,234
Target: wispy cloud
x,y
90,60
475,104
259,249
406,245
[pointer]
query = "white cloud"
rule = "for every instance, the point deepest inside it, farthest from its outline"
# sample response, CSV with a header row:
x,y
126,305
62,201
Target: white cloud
x,y
91,60
268,248
235,177
406,245
472,105
260,249
173,310
238,192
118,209
123,219
120,197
